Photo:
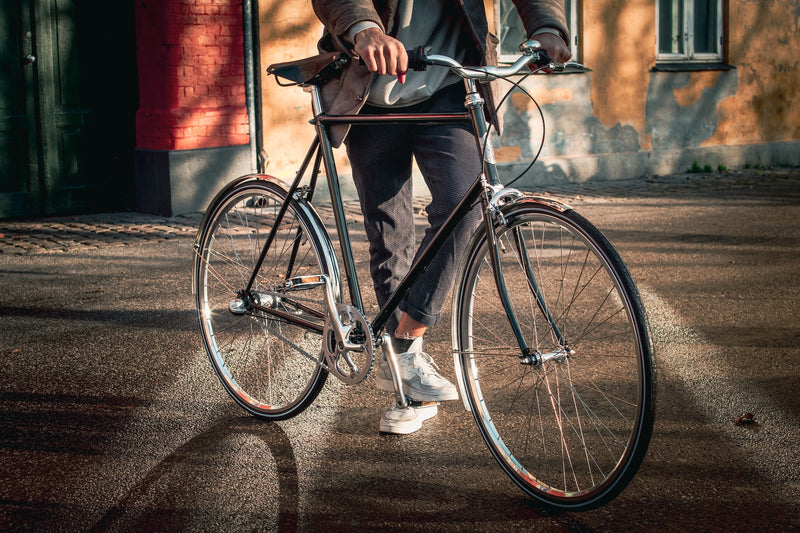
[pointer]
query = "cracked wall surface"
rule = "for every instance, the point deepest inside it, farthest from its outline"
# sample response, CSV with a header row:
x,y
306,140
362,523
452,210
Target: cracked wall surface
x,y
624,118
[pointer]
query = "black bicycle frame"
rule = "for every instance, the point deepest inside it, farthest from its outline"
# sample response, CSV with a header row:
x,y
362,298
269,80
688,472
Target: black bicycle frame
x,y
438,240
478,192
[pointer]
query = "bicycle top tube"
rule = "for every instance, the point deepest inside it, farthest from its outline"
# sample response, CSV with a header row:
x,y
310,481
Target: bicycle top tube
x,y
317,71
395,118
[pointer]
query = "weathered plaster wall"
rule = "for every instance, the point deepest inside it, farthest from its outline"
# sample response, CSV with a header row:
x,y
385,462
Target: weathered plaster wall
x,y
623,119
763,47
755,103
597,122
288,30
682,107
619,47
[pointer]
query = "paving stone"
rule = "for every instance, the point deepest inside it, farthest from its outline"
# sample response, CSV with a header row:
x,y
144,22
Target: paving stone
x,y
127,229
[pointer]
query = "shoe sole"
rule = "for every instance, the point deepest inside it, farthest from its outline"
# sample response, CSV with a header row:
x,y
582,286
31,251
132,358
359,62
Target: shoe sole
x,y
413,394
423,414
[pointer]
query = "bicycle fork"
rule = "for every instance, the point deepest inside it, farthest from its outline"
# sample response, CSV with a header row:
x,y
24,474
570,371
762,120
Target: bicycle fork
x,y
493,216
494,197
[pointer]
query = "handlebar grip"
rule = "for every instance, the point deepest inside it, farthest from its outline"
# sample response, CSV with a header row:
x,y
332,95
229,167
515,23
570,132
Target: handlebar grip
x,y
541,61
417,58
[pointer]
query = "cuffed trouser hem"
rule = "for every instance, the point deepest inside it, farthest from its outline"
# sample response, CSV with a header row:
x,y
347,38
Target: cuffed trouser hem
x,y
426,319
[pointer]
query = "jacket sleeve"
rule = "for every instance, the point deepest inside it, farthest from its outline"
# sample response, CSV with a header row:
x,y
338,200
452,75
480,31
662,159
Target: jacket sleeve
x,y
537,14
339,15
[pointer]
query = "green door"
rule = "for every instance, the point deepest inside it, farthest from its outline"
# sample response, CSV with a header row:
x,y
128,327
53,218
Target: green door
x,y
67,103
19,187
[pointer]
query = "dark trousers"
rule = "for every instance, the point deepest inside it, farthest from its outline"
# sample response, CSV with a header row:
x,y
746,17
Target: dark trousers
x,y
381,159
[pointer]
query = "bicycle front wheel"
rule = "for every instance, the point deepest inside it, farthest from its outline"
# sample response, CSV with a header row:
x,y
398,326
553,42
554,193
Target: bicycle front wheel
x,y
266,344
570,420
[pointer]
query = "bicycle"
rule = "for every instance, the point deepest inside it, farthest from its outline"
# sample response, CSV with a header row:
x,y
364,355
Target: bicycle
x,y
550,340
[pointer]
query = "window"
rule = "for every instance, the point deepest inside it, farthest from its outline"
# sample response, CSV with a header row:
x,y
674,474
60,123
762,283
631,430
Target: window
x,y
512,33
689,30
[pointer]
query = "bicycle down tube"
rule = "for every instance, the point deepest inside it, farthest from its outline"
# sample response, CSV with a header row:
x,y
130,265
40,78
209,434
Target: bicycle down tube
x,y
474,105
478,191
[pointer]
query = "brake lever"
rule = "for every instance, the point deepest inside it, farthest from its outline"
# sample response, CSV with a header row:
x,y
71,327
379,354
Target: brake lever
x,y
543,62
547,64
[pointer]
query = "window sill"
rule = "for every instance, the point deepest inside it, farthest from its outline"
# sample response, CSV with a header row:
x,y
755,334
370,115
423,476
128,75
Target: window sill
x,y
689,66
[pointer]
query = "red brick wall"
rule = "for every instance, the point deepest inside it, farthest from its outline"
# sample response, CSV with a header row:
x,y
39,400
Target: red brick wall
x,y
191,74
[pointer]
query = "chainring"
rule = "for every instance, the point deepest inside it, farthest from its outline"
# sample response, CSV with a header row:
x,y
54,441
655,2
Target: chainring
x,y
351,359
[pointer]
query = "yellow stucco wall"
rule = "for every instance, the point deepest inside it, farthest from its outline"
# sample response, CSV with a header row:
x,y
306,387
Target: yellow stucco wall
x,y
623,106
618,44
763,47
288,30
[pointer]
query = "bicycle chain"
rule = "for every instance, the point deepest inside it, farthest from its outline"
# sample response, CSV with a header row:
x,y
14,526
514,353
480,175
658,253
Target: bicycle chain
x,y
348,379
336,355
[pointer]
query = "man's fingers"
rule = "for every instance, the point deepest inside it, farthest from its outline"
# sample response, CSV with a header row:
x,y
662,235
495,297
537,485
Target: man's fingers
x,y
381,53
554,46
402,62
392,59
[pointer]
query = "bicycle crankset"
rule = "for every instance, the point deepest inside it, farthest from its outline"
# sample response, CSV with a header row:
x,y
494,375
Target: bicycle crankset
x,y
348,348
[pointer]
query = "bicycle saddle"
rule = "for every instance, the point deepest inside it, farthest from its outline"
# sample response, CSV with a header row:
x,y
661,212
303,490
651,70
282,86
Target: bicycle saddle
x,y
316,70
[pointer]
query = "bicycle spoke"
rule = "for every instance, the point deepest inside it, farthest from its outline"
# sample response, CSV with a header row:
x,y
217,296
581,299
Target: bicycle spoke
x,y
562,422
264,349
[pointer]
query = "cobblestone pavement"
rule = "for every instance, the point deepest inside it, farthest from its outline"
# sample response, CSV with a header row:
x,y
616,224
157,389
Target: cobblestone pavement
x,y
60,234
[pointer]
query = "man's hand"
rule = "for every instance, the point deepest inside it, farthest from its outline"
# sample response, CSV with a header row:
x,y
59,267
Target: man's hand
x,y
554,46
381,53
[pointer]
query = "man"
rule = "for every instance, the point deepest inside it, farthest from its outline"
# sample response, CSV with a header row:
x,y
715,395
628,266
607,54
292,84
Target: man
x,y
380,32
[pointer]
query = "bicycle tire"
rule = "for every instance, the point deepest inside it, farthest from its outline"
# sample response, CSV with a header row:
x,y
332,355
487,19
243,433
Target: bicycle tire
x,y
269,366
573,430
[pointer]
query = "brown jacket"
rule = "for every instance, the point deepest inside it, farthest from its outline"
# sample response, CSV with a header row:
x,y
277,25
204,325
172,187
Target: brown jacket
x,y
347,94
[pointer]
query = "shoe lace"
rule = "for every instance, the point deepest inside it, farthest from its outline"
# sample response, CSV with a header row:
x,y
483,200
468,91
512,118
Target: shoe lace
x,y
424,363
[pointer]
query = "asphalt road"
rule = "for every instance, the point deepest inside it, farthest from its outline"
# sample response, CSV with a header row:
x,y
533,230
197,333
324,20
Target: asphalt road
x,y
111,418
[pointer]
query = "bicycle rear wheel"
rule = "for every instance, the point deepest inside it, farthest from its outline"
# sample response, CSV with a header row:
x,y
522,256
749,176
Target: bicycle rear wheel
x,y
265,345
571,423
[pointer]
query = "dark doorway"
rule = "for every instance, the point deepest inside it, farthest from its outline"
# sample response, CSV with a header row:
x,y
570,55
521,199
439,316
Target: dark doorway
x,y
68,97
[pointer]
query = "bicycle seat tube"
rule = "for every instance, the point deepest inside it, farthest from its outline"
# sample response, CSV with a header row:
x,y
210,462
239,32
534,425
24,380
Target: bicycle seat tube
x,y
336,200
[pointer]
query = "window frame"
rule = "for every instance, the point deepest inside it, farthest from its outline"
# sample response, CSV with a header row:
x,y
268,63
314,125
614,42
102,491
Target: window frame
x,y
572,24
689,56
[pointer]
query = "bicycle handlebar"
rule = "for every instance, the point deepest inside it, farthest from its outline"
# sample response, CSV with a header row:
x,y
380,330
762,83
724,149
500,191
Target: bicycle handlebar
x,y
532,54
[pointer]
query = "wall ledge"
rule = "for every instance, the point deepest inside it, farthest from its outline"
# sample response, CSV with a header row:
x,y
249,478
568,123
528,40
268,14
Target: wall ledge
x,y
635,165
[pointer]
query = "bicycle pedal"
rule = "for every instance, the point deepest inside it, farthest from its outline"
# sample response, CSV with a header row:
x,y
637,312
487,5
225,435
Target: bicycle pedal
x,y
305,282
414,403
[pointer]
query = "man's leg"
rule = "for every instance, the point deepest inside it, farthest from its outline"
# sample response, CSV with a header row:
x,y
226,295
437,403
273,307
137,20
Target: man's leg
x,y
381,162
381,166
449,161
381,158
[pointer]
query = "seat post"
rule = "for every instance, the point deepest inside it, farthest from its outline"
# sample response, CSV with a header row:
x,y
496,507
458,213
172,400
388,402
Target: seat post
x,y
336,201
316,101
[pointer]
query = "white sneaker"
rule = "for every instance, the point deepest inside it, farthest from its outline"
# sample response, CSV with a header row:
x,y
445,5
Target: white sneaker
x,y
418,372
404,421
